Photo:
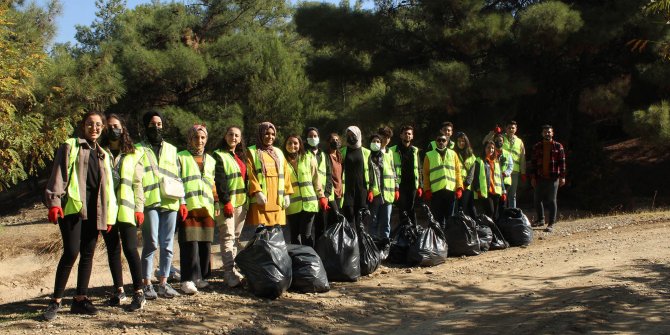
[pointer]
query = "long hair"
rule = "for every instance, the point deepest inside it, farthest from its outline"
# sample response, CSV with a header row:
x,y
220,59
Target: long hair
x,y
486,144
465,152
81,130
127,146
337,152
301,146
240,149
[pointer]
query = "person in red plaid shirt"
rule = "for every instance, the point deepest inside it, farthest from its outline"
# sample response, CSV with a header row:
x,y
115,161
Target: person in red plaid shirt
x,y
547,172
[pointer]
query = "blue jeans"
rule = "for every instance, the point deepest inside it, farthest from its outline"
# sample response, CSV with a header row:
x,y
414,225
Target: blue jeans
x,y
380,218
511,191
158,230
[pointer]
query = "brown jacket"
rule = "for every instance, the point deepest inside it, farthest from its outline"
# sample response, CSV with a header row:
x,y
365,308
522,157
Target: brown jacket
x,y
57,186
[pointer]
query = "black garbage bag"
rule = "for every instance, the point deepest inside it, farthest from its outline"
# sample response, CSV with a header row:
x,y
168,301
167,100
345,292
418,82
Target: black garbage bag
x,y
484,232
515,227
338,249
430,248
370,257
309,275
462,235
265,263
384,247
498,242
402,237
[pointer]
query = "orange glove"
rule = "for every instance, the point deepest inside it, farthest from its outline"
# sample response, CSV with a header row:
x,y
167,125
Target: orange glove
x,y
370,196
109,229
139,218
183,211
523,178
396,195
54,213
427,195
504,197
479,193
459,193
228,210
419,192
323,203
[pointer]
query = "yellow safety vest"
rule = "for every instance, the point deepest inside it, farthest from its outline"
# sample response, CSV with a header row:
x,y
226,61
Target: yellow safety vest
x,y
465,166
504,166
514,150
483,181
388,178
125,195
166,165
398,164
261,177
198,187
304,196
442,171
234,178
321,167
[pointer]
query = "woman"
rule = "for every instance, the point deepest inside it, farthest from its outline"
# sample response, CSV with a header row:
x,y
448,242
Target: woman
x,y
467,159
196,231
488,181
312,148
81,200
305,178
333,186
127,171
384,186
355,159
269,184
230,176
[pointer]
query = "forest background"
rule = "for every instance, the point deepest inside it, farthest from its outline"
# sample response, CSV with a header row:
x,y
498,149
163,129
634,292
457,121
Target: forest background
x,y
596,70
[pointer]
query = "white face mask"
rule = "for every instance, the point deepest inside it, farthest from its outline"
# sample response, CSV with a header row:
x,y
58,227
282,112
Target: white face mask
x,y
313,141
374,146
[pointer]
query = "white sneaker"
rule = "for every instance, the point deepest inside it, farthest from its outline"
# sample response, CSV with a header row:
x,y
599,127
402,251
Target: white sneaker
x,y
188,287
201,283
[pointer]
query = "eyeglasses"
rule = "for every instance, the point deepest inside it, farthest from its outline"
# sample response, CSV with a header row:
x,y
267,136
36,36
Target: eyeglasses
x,y
91,125
441,140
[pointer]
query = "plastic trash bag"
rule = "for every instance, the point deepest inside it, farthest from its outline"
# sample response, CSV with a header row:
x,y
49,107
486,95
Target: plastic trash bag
x,y
515,227
309,275
498,242
485,234
370,256
430,248
265,263
462,235
338,249
402,237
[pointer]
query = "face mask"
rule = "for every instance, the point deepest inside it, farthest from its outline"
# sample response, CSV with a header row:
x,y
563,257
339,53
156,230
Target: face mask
x,y
352,140
334,144
441,150
313,141
155,135
375,146
498,144
115,134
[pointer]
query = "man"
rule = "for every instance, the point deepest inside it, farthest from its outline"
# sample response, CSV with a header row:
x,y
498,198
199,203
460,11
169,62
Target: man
x,y
513,146
406,160
447,129
547,172
443,183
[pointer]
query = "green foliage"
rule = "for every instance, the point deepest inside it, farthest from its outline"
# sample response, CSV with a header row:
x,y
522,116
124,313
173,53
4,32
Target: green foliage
x,y
654,122
547,25
605,100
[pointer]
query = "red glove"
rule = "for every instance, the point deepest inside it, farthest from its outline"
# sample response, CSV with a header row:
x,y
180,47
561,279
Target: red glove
x,y
109,229
396,195
523,177
323,203
419,192
459,193
370,196
497,130
139,218
228,210
504,197
54,213
479,194
183,211
427,195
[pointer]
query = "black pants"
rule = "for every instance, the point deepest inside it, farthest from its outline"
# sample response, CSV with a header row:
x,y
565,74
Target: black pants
x,y
546,191
123,234
406,202
491,206
194,260
325,219
442,206
467,203
300,227
79,237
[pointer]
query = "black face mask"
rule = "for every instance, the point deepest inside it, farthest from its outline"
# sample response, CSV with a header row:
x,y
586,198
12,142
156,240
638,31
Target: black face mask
x,y
115,134
334,144
155,135
351,140
498,144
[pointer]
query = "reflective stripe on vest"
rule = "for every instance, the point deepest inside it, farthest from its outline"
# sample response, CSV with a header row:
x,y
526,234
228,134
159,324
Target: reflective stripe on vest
x,y
388,178
125,195
197,186
504,166
304,196
261,177
514,151
398,164
465,167
166,165
442,171
366,161
483,181
321,167
74,201
234,179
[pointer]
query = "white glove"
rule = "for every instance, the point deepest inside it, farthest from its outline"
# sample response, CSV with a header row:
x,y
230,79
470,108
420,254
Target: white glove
x,y
287,201
261,199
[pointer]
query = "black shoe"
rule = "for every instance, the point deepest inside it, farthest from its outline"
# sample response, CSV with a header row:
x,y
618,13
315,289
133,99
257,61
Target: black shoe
x,y
537,224
138,301
549,228
83,307
117,298
51,311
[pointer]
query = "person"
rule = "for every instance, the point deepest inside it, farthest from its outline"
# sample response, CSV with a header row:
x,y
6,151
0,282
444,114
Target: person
x,y
488,183
160,210
547,169
81,201
514,147
334,187
355,165
446,129
307,194
269,185
467,160
443,183
127,172
383,182
201,206
324,169
406,160
506,162
230,176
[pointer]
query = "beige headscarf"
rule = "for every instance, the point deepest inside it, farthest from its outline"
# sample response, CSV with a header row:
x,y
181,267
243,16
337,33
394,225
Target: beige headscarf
x,y
262,128
193,132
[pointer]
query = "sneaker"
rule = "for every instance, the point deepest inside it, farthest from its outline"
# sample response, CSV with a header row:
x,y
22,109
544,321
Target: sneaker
x,y
201,283
138,301
51,311
189,288
232,279
166,291
83,307
149,292
549,228
537,224
117,298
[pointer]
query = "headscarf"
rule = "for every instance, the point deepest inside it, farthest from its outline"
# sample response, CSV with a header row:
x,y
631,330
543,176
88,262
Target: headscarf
x,y
262,128
146,118
193,132
357,134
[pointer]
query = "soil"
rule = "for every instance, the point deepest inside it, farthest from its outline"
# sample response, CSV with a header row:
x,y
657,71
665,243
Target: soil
x,y
605,274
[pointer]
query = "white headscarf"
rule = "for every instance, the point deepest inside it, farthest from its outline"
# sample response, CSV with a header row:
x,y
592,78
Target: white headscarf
x,y
357,134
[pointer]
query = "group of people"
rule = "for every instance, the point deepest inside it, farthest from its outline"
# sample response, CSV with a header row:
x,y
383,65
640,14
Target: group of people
x,y
102,182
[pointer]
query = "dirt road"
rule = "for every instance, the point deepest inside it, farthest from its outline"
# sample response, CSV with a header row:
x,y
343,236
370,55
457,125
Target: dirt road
x,y
598,275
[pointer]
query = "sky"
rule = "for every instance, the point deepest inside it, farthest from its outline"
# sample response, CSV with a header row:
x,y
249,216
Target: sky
x,y
82,12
